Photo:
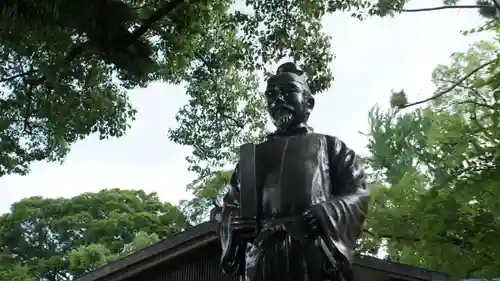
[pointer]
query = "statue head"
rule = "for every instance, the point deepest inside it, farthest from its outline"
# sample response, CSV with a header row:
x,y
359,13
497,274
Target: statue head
x,y
289,99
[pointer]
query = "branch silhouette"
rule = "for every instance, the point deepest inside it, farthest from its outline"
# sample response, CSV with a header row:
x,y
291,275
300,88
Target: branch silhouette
x,y
19,75
449,89
445,8
76,50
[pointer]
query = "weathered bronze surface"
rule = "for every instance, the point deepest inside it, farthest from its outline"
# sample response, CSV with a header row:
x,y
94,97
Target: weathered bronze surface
x,y
297,201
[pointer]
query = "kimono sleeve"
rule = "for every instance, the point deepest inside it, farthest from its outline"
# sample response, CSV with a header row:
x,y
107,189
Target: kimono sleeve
x,y
233,250
342,215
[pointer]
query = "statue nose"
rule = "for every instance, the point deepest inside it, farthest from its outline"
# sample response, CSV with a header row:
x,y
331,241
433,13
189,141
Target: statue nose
x,y
279,102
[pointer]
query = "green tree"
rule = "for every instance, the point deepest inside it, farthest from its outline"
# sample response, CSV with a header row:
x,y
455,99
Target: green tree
x,y
90,257
207,194
489,9
66,66
435,172
57,238
214,140
15,273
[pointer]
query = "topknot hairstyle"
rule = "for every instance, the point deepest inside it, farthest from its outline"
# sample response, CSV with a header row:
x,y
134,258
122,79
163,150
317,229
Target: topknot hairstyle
x,y
289,67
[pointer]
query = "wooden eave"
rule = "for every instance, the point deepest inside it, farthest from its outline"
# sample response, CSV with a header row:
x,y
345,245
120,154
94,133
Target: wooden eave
x,y
206,233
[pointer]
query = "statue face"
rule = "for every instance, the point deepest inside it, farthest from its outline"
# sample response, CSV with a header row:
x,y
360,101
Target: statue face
x,y
288,103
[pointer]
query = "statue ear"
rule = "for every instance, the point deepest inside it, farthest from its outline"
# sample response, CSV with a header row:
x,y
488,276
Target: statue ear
x,y
310,106
310,103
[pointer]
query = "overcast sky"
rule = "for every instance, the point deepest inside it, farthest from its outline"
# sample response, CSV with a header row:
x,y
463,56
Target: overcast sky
x,y
373,57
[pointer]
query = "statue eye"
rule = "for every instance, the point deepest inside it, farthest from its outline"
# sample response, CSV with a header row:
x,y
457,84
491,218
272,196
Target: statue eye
x,y
290,89
270,93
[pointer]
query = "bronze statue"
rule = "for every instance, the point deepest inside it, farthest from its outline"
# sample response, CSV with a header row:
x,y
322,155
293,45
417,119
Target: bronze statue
x,y
297,201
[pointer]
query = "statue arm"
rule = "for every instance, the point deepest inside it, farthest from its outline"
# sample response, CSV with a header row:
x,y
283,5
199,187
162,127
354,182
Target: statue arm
x,y
342,215
233,249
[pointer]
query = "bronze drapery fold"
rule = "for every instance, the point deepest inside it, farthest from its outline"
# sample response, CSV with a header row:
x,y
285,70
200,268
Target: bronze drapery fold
x,y
319,173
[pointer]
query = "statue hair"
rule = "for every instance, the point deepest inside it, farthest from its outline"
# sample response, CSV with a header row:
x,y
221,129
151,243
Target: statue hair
x,y
290,67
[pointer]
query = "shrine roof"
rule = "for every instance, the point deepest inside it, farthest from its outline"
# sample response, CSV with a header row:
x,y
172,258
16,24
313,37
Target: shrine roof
x,y
206,233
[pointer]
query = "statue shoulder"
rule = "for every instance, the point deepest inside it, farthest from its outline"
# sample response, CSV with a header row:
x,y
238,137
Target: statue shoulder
x,y
329,138
337,147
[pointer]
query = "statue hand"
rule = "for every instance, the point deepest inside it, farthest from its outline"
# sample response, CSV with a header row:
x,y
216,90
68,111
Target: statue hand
x,y
244,229
312,224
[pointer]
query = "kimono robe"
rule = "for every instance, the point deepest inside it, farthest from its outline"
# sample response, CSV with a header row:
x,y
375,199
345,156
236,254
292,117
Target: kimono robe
x,y
296,173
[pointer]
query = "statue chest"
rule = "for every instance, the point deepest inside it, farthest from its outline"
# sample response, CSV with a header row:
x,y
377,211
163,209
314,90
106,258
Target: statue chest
x,y
289,171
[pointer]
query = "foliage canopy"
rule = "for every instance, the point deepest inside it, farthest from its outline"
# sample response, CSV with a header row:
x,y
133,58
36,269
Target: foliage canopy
x,y
65,69
66,66
437,172
60,238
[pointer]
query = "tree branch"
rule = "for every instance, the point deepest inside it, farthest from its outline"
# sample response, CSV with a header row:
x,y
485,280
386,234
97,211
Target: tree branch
x,y
497,4
77,50
468,88
412,239
445,239
220,111
7,79
457,83
144,6
156,16
445,7
236,122
168,7
476,103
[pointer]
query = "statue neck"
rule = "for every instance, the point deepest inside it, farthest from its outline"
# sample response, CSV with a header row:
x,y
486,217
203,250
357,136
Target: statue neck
x,y
299,129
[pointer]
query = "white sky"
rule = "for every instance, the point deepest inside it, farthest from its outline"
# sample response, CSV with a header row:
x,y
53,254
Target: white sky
x,y
373,57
